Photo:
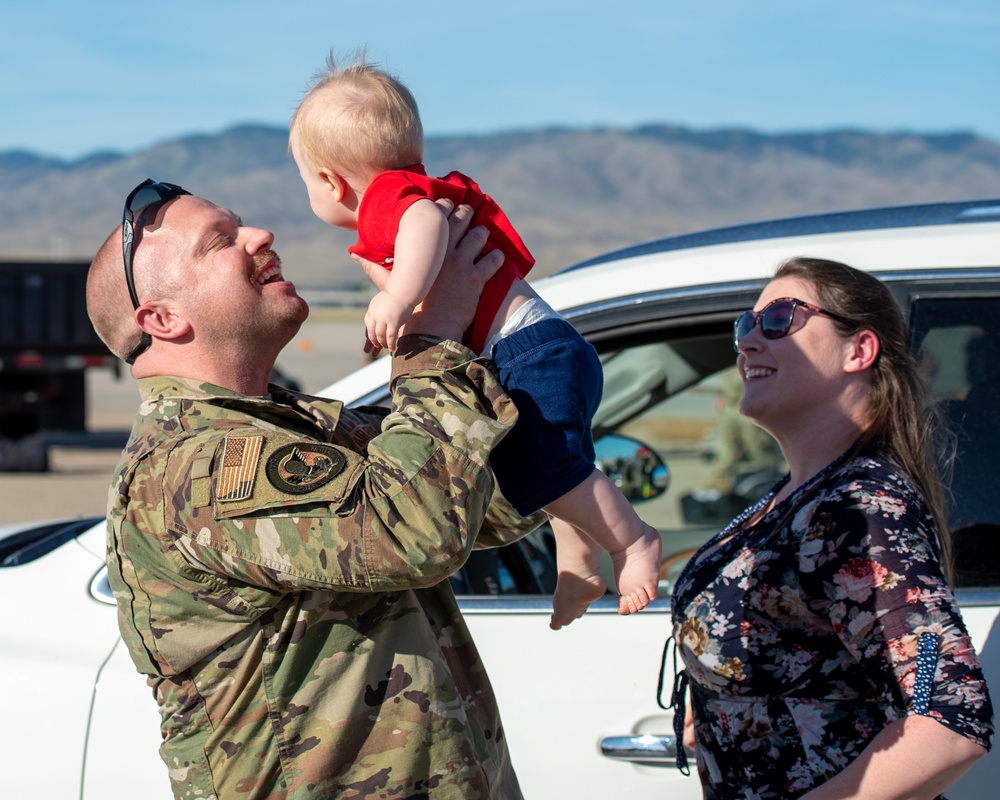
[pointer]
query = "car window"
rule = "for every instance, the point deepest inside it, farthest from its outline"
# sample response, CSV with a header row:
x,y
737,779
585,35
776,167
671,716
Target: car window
x,y
679,398
957,342
669,433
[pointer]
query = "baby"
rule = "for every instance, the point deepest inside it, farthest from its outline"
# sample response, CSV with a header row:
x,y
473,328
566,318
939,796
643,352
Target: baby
x,y
358,143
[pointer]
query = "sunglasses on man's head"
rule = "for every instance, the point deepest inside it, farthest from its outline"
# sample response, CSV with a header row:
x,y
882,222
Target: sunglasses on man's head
x,y
775,319
146,194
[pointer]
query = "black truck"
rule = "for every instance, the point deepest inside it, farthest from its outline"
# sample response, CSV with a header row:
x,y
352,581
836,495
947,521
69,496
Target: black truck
x,y
46,345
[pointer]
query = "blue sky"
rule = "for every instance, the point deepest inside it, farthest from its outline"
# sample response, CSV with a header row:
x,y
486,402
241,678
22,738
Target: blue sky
x,y
81,77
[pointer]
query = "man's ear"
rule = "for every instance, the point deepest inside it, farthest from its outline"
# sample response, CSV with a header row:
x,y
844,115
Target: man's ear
x,y
335,182
161,321
863,350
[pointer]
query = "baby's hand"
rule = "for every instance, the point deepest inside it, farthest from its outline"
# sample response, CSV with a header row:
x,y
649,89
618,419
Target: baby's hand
x,y
385,316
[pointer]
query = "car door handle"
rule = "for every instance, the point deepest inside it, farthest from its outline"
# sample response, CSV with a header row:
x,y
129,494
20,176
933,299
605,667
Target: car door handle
x,y
650,748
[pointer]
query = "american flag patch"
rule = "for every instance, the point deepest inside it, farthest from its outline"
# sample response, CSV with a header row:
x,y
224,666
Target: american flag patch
x,y
239,466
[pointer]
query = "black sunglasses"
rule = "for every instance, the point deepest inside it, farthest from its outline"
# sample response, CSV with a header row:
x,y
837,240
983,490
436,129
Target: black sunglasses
x,y
775,319
146,194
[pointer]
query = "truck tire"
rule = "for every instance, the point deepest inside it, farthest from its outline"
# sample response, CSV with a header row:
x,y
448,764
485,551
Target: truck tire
x,y
32,454
8,455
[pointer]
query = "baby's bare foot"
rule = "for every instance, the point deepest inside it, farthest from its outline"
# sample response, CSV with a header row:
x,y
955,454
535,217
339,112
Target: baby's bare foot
x,y
573,596
637,571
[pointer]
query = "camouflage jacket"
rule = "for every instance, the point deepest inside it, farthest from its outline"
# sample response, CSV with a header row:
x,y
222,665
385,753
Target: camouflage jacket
x,y
281,568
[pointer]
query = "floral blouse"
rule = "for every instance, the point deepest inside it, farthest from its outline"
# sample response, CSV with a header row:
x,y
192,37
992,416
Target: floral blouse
x,y
805,634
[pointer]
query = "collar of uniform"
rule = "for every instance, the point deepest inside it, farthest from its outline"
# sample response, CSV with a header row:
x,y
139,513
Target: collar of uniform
x,y
161,388
167,396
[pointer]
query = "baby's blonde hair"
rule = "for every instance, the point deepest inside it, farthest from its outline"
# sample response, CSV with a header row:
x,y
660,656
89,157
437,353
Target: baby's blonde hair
x,y
356,117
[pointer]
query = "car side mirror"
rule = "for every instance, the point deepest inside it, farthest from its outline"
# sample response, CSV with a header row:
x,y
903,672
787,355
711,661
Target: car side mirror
x,y
633,466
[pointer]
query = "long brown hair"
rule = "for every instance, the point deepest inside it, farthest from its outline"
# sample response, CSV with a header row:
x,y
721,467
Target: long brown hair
x,y
903,423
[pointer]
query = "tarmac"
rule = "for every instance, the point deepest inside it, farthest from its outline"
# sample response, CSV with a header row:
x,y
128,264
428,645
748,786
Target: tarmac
x,y
328,347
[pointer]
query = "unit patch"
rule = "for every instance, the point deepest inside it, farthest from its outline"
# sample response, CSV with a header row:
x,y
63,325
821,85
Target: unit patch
x,y
301,468
239,466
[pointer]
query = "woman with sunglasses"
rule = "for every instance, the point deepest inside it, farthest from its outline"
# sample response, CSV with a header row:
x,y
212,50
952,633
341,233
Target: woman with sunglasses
x,y
824,652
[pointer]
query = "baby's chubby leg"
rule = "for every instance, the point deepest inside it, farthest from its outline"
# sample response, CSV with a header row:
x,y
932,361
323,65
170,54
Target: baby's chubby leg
x,y
598,508
580,581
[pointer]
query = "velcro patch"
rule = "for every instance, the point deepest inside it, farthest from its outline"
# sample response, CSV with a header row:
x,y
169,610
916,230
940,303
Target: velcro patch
x,y
239,466
302,467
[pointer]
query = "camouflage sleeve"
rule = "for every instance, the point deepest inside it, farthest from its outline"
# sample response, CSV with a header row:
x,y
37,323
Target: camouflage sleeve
x,y
403,513
502,524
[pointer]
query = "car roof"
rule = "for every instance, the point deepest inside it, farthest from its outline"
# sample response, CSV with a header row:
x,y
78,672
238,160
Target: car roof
x,y
883,240
837,222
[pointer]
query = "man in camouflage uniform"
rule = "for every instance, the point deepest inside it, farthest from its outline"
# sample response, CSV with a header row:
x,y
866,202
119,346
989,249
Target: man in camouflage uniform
x,y
280,561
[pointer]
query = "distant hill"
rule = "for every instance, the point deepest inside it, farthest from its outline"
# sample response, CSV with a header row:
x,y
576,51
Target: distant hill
x,y
572,194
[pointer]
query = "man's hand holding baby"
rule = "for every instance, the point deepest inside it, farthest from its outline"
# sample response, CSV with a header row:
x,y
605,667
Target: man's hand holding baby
x,y
451,304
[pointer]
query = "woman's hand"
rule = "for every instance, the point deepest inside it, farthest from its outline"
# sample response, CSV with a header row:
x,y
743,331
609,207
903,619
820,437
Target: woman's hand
x,y
688,740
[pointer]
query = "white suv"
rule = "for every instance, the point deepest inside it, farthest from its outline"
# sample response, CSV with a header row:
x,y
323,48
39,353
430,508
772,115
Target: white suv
x,y
580,705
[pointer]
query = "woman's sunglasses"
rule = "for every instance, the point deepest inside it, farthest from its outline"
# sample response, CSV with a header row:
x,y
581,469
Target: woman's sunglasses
x,y
146,194
775,319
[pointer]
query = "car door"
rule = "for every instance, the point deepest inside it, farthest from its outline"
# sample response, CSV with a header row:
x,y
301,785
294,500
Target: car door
x,y
955,332
580,705
53,642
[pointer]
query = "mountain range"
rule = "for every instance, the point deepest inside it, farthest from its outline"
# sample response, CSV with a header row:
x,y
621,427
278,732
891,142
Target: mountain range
x,y
572,194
